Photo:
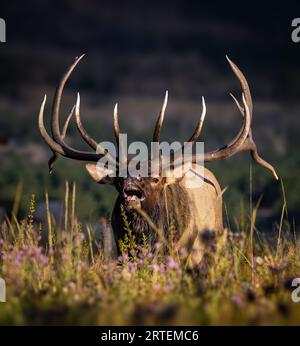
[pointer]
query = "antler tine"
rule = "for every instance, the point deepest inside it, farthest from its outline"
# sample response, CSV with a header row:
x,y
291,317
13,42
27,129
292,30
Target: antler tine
x,y
230,150
87,138
260,160
57,101
244,84
241,109
120,144
67,122
249,144
199,126
54,156
116,123
246,91
55,147
196,133
159,121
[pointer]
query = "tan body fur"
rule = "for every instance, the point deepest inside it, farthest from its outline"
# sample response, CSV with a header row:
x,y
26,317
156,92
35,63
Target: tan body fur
x,y
206,205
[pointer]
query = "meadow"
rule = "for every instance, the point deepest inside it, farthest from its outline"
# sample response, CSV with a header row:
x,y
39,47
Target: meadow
x,y
62,275
60,272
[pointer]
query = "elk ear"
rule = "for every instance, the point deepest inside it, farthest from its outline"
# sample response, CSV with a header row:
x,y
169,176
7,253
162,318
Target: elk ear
x,y
100,174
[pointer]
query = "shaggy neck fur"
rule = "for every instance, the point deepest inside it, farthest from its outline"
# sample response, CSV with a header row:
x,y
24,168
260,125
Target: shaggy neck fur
x,y
170,212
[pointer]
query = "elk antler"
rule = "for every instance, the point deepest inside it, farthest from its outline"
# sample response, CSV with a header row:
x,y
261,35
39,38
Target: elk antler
x,y
54,157
249,143
160,119
87,138
120,144
56,142
199,126
243,140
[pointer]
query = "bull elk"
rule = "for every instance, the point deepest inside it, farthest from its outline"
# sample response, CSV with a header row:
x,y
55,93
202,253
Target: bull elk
x,y
181,213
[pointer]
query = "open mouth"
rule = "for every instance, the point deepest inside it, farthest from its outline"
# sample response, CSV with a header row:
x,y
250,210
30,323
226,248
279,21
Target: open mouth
x,y
133,194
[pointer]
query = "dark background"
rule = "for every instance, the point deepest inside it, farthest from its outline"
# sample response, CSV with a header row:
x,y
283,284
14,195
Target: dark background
x,y
135,51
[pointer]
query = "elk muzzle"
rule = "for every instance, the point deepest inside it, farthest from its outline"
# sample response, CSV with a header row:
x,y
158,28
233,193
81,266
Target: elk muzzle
x,y
133,196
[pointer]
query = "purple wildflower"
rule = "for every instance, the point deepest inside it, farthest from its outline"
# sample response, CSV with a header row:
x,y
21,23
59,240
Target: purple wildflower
x,y
237,300
172,264
131,267
43,259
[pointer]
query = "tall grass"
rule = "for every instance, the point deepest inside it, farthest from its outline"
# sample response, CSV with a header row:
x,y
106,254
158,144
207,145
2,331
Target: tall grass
x,y
63,275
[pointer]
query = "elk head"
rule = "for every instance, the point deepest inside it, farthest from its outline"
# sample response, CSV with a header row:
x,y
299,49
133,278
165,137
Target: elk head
x,y
137,191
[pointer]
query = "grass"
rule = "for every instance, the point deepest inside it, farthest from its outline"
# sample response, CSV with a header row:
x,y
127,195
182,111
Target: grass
x,y
61,275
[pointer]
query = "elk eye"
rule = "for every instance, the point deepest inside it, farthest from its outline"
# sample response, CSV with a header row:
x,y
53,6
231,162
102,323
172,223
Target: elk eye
x,y
155,180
